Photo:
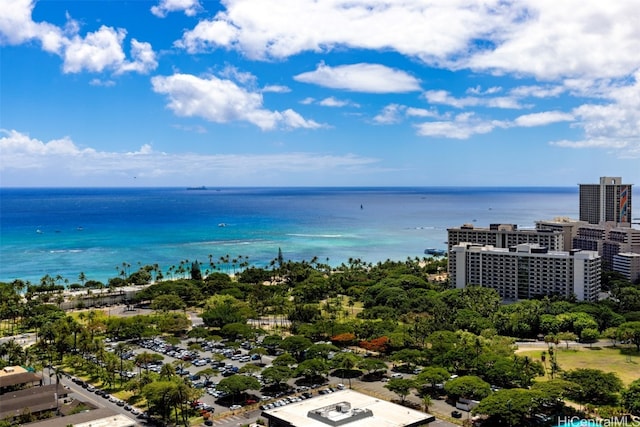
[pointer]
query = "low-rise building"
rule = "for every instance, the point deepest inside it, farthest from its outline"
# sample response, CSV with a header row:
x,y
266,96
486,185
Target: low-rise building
x,y
345,408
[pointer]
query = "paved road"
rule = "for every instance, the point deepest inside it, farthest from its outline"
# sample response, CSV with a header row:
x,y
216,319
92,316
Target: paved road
x,y
76,391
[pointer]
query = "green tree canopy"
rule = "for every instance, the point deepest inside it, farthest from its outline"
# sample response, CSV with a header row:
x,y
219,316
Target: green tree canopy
x,y
596,387
631,397
400,386
221,310
431,376
167,302
277,374
312,368
237,384
468,387
296,345
630,331
509,406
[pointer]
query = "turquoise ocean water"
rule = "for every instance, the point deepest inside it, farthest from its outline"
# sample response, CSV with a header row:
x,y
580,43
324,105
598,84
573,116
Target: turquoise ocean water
x,y
94,230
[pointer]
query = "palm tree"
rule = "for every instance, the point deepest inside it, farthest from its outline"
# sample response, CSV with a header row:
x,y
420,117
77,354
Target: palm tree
x,y
121,349
143,359
75,328
426,401
167,372
57,372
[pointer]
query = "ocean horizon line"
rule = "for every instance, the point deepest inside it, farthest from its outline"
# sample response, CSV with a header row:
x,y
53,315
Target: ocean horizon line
x,y
216,187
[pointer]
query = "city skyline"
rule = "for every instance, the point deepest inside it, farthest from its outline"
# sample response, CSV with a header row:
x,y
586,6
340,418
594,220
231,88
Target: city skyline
x,y
310,93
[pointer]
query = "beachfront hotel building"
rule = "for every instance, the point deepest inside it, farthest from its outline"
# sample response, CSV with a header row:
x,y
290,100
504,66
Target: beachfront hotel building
x,y
609,200
526,271
504,236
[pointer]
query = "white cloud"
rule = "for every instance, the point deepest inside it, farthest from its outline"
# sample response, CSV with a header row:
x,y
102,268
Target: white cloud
x,y
390,114
370,78
17,26
222,101
395,113
333,102
443,97
19,151
462,126
543,118
189,7
263,29
478,90
104,83
563,39
613,123
592,143
421,112
102,50
62,159
144,59
537,91
542,38
276,89
97,51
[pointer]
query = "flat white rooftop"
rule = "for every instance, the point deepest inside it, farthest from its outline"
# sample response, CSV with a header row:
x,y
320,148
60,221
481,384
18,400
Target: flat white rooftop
x,y
118,420
384,414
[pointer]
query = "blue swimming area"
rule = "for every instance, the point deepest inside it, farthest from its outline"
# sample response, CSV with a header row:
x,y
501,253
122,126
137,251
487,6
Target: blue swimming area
x,y
66,231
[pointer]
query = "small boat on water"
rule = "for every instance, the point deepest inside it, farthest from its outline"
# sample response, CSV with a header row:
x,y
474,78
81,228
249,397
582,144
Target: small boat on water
x,y
202,187
222,224
435,252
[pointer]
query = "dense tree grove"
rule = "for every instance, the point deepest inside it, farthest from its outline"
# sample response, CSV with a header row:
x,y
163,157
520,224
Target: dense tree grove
x,y
397,315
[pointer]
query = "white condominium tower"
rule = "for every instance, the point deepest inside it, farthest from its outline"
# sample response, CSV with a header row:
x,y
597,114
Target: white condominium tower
x,y
526,271
609,200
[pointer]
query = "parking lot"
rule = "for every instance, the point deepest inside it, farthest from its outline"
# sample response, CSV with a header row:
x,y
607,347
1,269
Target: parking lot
x,y
227,361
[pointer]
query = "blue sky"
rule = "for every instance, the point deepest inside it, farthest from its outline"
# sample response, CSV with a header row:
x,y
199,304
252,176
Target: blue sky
x,y
318,92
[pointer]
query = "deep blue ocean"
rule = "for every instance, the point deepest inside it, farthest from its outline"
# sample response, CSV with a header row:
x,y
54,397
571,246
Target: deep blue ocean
x,y
63,232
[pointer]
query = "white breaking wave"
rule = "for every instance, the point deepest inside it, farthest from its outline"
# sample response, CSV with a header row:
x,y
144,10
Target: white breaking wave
x,y
321,236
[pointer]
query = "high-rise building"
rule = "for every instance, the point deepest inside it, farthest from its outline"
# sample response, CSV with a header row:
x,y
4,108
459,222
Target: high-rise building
x,y
627,264
567,226
527,271
505,236
609,200
608,239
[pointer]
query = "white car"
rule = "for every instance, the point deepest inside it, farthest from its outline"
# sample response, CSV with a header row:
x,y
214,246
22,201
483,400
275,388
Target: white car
x,y
234,407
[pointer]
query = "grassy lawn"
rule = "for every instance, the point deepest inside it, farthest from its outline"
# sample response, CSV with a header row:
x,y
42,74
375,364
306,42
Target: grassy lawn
x,y
343,309
624,361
